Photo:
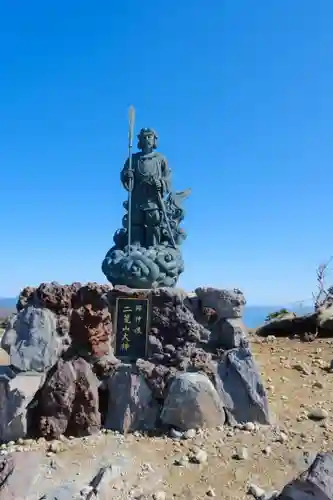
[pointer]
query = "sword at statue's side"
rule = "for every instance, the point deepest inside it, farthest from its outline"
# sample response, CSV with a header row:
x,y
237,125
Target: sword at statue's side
x,y
161,202
131,119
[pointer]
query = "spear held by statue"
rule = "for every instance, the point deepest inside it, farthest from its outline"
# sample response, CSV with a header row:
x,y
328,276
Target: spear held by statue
x,y
131,120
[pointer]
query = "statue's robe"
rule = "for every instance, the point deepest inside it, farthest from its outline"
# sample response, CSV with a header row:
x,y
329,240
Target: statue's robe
x,y
146,216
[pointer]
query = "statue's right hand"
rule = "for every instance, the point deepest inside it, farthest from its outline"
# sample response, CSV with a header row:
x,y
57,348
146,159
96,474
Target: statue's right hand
x,y
129,183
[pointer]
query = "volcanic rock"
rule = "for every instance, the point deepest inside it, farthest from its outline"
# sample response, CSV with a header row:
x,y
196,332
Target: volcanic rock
x,y
315,483
31,340
288,325
131,404
192,403
68,401
241,388
226,303
228,333
16,393
91,331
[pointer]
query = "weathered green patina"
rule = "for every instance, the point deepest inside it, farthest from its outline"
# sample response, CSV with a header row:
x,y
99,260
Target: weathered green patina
x,y
149,255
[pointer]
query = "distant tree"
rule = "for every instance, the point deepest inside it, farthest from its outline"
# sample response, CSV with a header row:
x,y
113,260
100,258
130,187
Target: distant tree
x,y
276,314
323,291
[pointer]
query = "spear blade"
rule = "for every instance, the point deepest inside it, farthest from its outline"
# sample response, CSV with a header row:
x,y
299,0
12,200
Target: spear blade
x,y
131,120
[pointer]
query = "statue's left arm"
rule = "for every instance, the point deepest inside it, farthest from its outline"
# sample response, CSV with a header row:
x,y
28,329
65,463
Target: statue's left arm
x,y
166,177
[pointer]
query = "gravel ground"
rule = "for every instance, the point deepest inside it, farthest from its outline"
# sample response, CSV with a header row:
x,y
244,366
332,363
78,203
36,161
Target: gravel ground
x,y
222,462
4,358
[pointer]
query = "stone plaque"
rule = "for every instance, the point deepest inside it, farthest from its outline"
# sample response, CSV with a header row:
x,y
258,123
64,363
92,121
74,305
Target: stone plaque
x,y
131,327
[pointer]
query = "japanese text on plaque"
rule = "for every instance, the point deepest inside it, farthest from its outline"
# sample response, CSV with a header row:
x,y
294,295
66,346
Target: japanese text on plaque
x,y
132,327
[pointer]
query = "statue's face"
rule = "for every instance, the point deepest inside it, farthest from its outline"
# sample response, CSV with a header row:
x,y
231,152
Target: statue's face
x,y
148,141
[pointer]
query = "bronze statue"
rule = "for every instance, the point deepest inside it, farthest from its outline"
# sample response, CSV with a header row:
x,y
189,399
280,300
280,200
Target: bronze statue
x,y
150,176
146,253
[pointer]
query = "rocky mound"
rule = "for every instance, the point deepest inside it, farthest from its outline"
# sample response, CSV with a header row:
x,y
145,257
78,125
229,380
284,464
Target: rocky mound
x,y
64,377
307,326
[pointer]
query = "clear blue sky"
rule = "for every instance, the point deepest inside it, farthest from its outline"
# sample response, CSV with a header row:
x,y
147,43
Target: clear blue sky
x,y
241,94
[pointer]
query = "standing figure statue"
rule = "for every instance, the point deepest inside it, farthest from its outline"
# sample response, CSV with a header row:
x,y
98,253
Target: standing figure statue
x,y
146,251
150,177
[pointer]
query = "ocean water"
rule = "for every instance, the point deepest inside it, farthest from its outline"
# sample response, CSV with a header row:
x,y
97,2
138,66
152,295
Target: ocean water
x,y
255,315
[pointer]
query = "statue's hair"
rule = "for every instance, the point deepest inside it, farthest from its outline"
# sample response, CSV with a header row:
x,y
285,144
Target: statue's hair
x,y
143,133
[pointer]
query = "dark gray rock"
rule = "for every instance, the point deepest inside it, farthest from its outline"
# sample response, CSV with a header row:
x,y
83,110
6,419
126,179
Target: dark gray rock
x,y
281,325
226,303
31,339
241,388
315,483
228,333
289,325
175,334
321,472
130,405
325,317
16,394
192,402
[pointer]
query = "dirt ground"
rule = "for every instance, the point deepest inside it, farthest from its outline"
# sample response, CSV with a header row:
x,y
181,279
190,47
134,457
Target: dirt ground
x,y
4,358
297,382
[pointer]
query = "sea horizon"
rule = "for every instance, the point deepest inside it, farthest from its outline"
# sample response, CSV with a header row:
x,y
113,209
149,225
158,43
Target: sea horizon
x,y
254,315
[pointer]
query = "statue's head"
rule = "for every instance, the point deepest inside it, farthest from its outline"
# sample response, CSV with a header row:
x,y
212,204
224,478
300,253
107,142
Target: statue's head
x,y
147,139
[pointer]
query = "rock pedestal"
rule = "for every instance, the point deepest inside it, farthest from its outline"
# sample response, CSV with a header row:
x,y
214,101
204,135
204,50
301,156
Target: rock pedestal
x,y
199,370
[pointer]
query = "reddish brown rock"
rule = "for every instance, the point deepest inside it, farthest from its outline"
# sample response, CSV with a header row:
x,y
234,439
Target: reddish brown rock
x,y
210,315
27,298
156,377
91,323
55,296
61,298
68,401
81,313
91,330
91,293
